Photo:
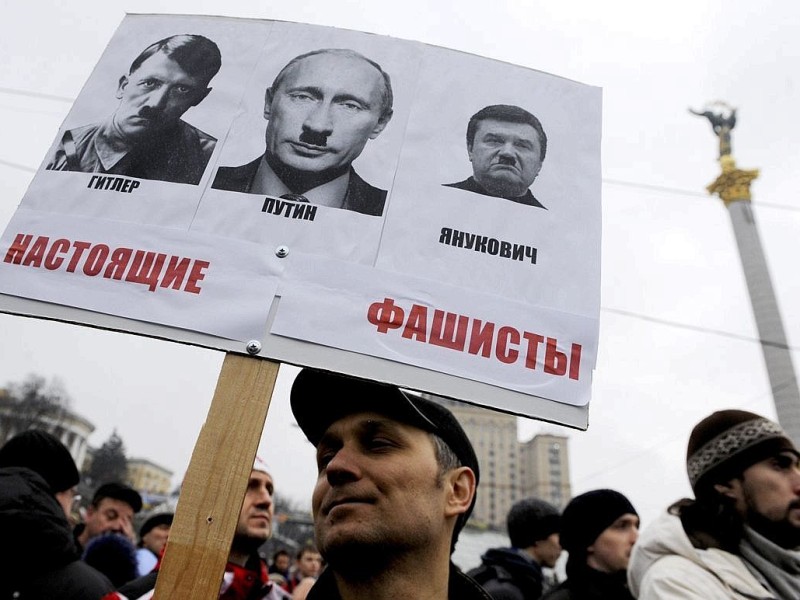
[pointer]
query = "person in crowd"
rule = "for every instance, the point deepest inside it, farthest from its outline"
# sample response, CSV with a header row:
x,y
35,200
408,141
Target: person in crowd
x,y
111,511
38,554
153,536
598,530
506,146
322,109
397,481
280,566
516,573
740,535
246,576
307,565
145,136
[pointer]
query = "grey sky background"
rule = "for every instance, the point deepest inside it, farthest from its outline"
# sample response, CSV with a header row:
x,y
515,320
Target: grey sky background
x,y
677,336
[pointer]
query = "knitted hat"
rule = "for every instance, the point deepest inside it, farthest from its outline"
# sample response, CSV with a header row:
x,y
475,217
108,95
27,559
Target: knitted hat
x,y
155,521
531,520
319,398
728,441
41,452
588,515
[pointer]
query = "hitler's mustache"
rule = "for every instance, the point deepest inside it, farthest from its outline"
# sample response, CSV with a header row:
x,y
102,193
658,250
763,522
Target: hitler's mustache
x,y
148,112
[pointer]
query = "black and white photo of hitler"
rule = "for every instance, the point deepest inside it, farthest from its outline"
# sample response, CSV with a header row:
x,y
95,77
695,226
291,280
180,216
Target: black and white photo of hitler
x,y
506,145
145,136
321,110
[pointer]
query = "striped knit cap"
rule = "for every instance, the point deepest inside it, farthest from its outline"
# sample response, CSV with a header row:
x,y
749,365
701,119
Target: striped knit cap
x,y
725,443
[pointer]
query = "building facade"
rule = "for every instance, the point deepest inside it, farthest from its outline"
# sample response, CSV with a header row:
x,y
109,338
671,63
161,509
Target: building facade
x,y
71,429
146,476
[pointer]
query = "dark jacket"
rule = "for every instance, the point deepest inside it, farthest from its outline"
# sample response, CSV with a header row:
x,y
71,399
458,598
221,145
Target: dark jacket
x,y
361,197
470,185
38,556
509,574
460,587
588,584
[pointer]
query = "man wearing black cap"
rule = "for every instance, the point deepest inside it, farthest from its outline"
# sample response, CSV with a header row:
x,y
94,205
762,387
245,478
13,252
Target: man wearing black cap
x,y
111,511
740,536
397,481
598,530
153,536
38,555
516,573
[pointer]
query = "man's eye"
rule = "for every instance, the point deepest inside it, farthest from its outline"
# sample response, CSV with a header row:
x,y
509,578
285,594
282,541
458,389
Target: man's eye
x,y
182,89
351,106
149,83
301,97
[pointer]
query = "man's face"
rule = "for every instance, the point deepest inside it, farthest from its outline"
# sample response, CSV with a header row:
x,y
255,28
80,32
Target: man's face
x,y
309,564
323,113
110,516
611,551
255,519
282,562
379,487
768,497
154,97
155,539
548,550
506,157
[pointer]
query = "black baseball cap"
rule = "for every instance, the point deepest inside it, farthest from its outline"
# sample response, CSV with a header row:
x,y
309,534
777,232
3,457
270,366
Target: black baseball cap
x,y
319,398
118,491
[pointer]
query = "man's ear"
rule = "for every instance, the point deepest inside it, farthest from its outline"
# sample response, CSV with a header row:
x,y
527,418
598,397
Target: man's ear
x,y
383,121
123,83
729,489
267,103
461,490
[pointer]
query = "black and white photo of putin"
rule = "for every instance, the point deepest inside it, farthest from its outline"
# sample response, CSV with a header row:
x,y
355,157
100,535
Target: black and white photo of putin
x,y
145,136
506,146
321,110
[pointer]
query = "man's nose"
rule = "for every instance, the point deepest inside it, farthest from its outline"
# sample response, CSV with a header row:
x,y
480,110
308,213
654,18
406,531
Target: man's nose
x,y
343,467
508,149
158,98
320,119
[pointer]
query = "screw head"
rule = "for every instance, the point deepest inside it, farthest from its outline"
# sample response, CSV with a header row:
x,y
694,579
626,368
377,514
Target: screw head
x,y
253,347
282,251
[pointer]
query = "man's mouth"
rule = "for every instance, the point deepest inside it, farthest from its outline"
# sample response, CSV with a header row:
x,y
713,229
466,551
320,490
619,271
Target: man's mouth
x,y
344,501
307,149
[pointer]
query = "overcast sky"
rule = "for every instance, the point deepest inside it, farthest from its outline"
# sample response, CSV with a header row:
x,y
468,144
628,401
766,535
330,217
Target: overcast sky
x,y
677,336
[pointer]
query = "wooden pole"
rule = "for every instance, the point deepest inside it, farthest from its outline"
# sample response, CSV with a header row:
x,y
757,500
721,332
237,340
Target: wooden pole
x,y
216,481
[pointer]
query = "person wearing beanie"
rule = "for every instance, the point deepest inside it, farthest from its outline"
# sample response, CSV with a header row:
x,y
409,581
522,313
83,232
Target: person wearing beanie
x,y
740,535
598,530
38,554
246,576
516,573
153,536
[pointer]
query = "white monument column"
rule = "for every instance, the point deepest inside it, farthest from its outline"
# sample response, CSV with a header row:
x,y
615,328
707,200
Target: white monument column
x,y
733,187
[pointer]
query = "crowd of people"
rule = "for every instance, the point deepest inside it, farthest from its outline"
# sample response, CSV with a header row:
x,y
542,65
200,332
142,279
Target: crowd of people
x,y
397,482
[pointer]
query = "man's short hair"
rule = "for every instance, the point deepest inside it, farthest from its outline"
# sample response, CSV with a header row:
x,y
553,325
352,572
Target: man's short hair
x,y
197,55
387,96
507,113
531,520
307,549
118,491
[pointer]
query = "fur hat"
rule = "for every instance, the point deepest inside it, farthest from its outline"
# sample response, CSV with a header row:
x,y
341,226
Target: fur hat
x,y
41,452
725,443
531,520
